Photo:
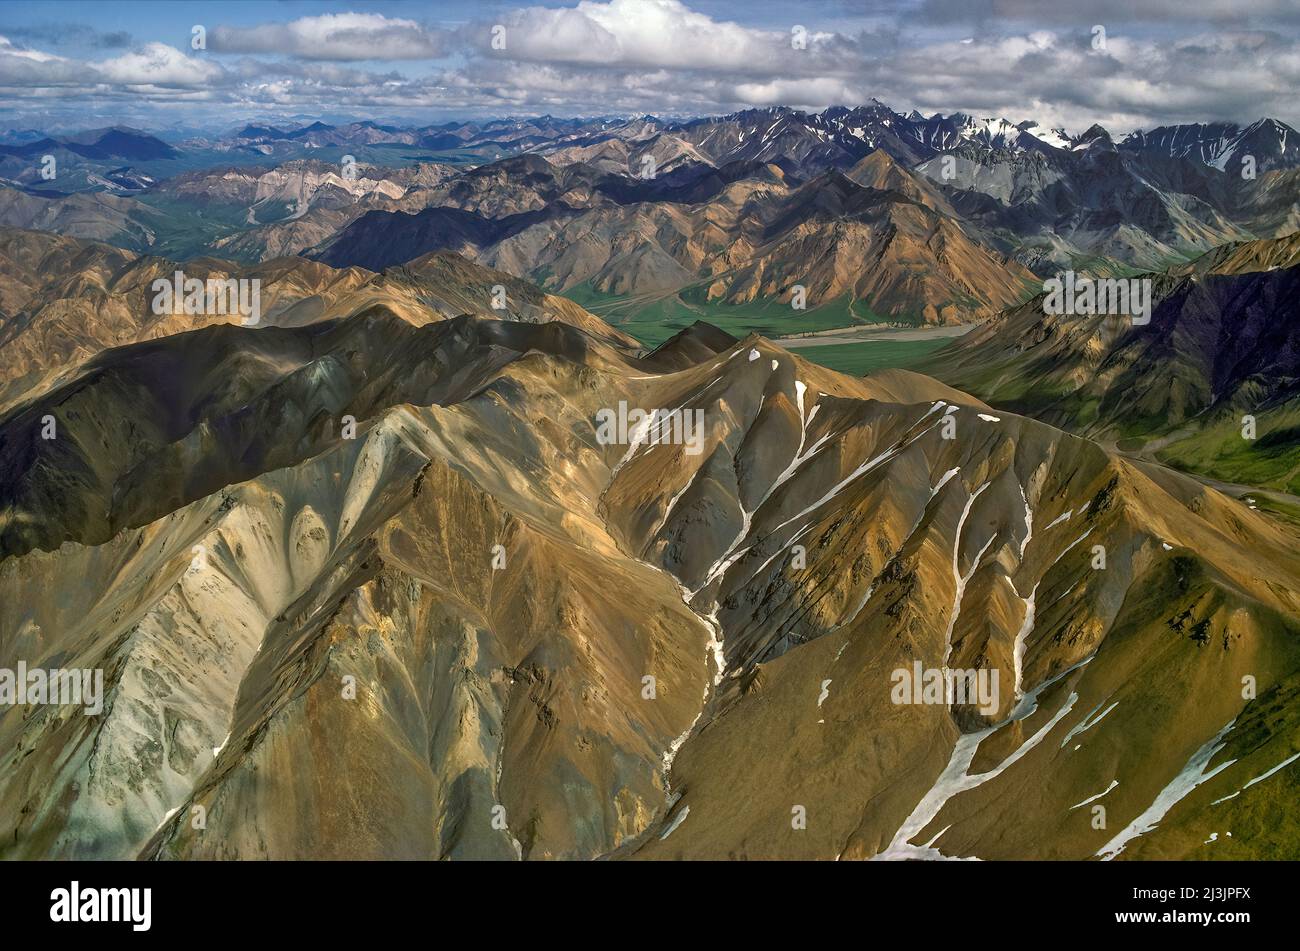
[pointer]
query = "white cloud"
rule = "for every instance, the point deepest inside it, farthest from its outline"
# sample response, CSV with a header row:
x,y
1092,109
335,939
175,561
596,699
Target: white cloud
x,y
1058,79
649,33
816,93
158,64
334,36
662,56
8,49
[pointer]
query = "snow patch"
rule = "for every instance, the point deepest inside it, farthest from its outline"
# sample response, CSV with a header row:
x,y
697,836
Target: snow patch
x,y
1022,637
1257,779
1029,523
960,579
1191,776
944,481
677,820
1113,784
1087,723
956,777
1064,517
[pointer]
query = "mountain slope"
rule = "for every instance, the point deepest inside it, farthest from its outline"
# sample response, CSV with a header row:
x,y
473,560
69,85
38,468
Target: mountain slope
x,y
840,236
71,300
342,566
97,217
348,666
1224,145
1066,209
1222,343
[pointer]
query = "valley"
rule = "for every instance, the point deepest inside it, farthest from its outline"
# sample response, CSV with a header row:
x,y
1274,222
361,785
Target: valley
x,y
864,350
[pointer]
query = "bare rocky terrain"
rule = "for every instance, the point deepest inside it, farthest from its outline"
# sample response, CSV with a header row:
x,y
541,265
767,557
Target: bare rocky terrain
x,y
433,639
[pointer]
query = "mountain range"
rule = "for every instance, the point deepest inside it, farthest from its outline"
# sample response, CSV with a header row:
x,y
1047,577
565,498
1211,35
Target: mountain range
x,y
836,137
449,619
70,300
713,211
502,534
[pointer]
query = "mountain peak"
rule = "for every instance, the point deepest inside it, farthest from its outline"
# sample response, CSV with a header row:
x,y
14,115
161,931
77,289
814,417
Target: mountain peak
x,y
1095,133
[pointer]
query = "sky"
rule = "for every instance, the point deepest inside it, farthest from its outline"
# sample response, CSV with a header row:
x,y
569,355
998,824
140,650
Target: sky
x,y
212,66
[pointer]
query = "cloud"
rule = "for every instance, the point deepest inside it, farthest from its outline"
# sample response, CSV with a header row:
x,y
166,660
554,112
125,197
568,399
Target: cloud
x,y
159,65
7,48
334,36
118,39
655,33
813,93
662,56
23,70
1107,11
70,34
1059,79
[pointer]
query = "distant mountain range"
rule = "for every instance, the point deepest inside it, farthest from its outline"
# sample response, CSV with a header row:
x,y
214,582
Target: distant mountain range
x,y
875,215
801,143
798,141
117,142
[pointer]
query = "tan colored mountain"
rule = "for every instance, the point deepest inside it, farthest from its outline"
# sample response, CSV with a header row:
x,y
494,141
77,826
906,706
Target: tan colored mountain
x,y
291,187
638,248
842,237
901,258
1247,257
498,623
95,216
664,153
71,300
879,171
297,205
1271,205
29,260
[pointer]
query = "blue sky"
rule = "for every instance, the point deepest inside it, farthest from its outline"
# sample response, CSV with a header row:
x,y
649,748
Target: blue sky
x,y
77,63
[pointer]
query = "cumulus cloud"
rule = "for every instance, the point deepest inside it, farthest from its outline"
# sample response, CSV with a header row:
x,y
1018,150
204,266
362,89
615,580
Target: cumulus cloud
x,y
26,72
157,64
640,33
334,36
1059,79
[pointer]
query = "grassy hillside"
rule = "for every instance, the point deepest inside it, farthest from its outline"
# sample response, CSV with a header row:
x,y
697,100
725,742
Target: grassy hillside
x,y
1271,461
